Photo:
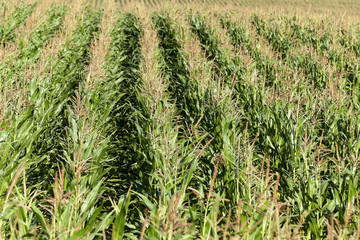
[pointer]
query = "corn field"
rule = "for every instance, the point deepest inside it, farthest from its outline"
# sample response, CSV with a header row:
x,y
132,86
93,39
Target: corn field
x,y
179,120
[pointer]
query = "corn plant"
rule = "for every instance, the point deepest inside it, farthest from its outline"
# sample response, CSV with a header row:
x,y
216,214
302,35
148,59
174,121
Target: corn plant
x,y
129,145
241,39
13,69
60,89
17,17
279,140
193,107
283,44
47,136
123,72
43,33
147,149
350,41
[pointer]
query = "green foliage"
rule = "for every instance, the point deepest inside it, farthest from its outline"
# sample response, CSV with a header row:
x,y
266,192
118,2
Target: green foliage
x,y
12,70
239,39
17,17
54,96
38,143
43,33
127,115
232,159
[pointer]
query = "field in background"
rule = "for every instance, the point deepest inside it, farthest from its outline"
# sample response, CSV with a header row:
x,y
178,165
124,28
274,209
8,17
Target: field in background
x,y
179,120
333,8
